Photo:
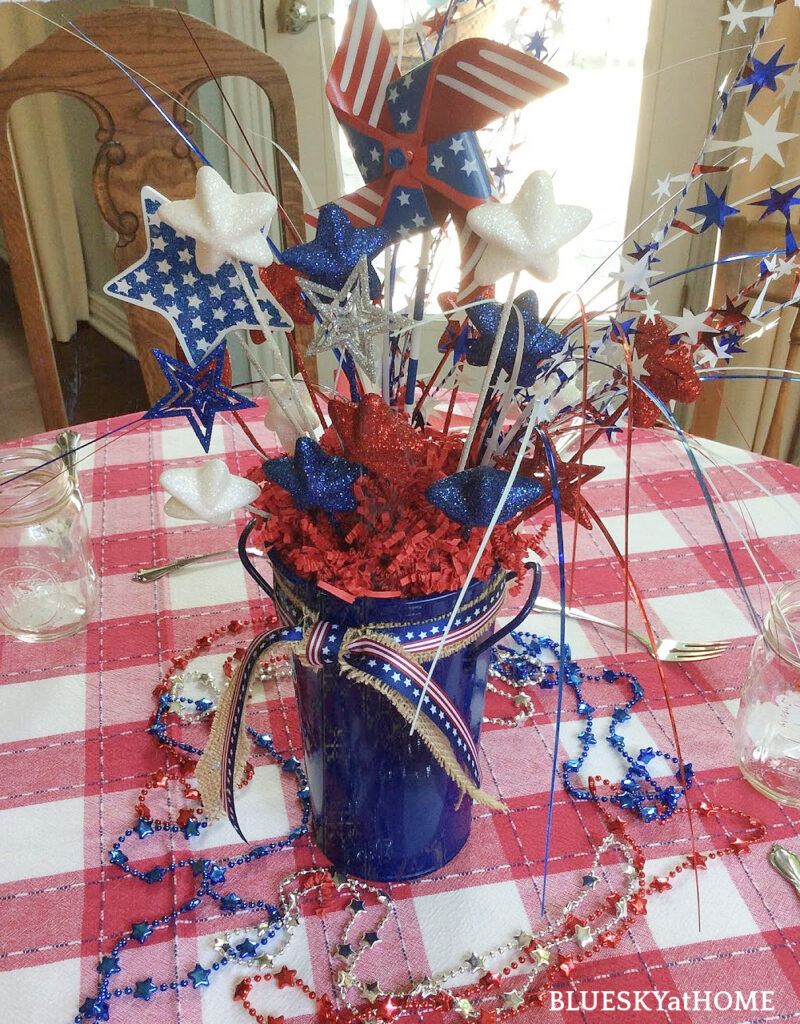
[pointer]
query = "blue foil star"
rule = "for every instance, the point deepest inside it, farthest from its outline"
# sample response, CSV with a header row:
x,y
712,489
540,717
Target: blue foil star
x,y
781,202
94,1009
337,248
715,210
315,479
538,341
764,74
246,950
199,976
191,829
144,989
108,965
471,497
216,874
196,393
201,308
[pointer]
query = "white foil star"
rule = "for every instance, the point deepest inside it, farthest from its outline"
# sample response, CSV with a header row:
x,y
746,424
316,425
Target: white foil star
x,y
225,226
526,233
209,492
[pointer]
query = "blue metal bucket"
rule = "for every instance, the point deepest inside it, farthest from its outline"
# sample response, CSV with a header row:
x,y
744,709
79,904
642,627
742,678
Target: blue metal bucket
x,y
383,808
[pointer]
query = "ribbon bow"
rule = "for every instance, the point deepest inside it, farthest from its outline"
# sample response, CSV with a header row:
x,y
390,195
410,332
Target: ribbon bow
x,y
413,136
387,657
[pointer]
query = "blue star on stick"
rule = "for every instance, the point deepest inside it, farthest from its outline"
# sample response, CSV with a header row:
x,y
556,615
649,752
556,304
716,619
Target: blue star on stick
x,y
764,74
538,341
315,479
715,209
196,392
471,497
201,308
338,246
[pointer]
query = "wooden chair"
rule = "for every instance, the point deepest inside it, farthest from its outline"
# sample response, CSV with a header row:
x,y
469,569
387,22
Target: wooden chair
x,y
739,236
137,147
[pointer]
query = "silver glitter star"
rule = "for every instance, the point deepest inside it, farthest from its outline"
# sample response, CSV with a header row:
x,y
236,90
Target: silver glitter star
x,y
425,988
349,320
523,939
590,881
629,870
542,956
345,979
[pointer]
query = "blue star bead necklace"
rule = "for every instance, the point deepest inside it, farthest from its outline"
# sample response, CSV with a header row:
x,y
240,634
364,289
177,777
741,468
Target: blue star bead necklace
x,y
209,874
522,667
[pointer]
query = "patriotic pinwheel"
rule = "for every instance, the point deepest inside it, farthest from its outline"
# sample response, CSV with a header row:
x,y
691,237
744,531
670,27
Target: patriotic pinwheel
x,y
413,136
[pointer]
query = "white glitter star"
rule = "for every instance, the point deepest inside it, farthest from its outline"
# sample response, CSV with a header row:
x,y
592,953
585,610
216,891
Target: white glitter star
x,y
225,226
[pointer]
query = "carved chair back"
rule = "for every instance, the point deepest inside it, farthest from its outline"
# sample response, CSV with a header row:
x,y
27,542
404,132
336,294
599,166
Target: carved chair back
x,y
136,147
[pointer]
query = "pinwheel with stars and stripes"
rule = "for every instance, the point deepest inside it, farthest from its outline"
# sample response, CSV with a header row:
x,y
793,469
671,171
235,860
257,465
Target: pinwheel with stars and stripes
x,y
413,135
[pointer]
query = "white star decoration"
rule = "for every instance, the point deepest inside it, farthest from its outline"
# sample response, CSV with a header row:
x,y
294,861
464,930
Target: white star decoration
x,y
225,226
209,492
691,324
526,233
763,140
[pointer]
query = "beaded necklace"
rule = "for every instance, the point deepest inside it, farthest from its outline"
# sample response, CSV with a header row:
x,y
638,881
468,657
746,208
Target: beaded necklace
x,y
492,986
522,668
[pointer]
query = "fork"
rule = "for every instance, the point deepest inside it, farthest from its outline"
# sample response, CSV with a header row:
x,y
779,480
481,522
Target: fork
x,y
667,650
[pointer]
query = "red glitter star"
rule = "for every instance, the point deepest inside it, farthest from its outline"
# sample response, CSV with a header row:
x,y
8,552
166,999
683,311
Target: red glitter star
x,y
282,283
609,939
386,1008
490,982
285,977
567,966
667,369
571,476
697,860
375,435
740,845
661,883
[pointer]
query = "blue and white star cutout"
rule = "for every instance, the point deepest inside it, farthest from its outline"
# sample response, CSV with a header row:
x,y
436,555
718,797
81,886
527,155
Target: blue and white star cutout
x,y
202,308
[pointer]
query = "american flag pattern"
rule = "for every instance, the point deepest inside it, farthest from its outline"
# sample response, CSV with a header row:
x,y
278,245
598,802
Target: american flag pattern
x,y
413,136
201,308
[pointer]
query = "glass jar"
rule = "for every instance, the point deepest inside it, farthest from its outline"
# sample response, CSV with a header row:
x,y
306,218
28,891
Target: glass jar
x,y
768,723
48,584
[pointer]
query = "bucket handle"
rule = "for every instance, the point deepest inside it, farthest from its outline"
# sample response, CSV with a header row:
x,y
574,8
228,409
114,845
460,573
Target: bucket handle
x,y
521,615
247,563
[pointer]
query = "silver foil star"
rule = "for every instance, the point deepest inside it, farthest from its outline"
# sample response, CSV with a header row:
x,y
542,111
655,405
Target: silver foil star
x,y
349,320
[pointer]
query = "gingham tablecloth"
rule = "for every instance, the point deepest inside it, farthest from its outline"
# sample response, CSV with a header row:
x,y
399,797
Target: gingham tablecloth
x,y
75,752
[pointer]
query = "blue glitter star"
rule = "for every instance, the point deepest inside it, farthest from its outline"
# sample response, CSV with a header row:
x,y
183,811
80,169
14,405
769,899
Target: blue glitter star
x,y
315,479
198,866
538,341
117,857
332,256
646,755
715,210
471,497
764,74
154,875
141,931
201,308
247,949
196,393
199,976
144,989
144,828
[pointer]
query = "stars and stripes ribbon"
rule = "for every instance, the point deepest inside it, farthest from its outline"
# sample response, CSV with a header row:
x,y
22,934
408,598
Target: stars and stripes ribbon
x,y
388,656
413,135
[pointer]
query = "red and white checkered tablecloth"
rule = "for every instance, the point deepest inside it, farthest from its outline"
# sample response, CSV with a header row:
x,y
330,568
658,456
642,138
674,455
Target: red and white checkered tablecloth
x,y
75,753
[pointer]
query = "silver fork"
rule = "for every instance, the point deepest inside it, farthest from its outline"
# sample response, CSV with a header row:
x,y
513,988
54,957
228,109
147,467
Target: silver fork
x,y
667,650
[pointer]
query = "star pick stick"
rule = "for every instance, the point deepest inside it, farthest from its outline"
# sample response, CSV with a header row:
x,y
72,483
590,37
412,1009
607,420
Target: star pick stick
x,y
487,377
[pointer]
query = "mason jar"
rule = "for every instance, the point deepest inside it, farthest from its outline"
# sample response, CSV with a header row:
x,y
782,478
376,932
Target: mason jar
x,y
48,584
768,723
